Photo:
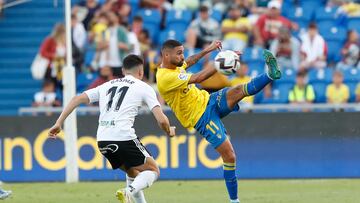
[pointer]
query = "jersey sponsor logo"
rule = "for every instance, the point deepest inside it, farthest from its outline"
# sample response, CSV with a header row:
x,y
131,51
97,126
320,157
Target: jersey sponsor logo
x,y
107,123
109,148
183,76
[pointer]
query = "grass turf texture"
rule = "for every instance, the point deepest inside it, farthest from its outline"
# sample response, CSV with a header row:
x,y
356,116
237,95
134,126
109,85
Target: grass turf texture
x,y
250,191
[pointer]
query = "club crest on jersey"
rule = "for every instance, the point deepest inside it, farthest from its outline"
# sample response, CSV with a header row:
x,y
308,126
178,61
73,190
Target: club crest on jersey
x,y
183,76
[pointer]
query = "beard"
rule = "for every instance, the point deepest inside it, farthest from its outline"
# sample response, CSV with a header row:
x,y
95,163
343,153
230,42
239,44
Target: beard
x,y
178,64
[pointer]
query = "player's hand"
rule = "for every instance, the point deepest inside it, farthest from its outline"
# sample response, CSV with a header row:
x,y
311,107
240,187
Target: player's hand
x,y
172,131
215,45
54,130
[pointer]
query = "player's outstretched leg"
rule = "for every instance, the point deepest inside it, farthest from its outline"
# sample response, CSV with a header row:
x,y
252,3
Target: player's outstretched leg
x,y
259,82
235,94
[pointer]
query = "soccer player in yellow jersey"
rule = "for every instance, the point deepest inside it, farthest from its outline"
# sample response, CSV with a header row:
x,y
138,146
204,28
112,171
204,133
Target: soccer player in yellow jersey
x,y
201,110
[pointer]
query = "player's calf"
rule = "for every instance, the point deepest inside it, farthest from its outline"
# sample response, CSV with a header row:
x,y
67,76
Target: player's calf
x,y
229,166
146,175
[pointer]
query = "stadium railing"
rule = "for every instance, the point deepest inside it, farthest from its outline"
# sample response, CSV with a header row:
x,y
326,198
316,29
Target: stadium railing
x,y
254,108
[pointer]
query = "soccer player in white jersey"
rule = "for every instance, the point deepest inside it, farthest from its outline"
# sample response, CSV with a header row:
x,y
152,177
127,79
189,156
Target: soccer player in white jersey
x,y
119,101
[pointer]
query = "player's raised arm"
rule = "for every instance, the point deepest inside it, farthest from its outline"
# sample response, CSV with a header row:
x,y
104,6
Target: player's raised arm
x,y
205,73
163,121
75,102
191,60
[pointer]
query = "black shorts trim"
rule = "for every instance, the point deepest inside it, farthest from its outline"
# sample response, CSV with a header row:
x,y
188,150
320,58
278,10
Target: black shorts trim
x,y
125,154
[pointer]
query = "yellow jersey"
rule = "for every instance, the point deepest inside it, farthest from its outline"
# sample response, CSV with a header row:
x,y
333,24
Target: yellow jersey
x,y
229,23
186,100
337,95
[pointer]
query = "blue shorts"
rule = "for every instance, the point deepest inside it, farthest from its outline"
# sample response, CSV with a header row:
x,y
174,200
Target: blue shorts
x,y
210,125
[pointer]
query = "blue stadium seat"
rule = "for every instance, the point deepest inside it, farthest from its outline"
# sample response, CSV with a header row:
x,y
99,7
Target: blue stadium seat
x,y
83,80
351,75
254,59
153,30
256,68
281,93
332,31
352,87
313,3
178,19
134,5
320,91
333,50
320,75
197,67
171,34
150,16
303,13
354,24
325,14
288,77
152,20
252,54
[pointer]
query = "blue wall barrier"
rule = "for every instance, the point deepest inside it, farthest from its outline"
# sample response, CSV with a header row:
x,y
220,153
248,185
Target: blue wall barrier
x,y
284,145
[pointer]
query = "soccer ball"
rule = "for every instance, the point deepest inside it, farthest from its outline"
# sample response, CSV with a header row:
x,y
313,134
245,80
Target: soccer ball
x,y
227,62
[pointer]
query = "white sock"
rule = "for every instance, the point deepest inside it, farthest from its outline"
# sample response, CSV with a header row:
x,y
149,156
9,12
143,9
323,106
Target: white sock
x,y
143,180
138,197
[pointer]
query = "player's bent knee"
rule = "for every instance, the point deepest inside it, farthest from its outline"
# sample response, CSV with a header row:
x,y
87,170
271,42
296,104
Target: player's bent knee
x,y
229,156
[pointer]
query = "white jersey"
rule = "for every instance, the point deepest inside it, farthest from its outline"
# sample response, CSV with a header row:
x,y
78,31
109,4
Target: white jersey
x,y
119,102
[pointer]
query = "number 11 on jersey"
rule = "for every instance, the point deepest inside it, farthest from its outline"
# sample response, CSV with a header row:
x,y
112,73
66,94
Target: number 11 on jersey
x,y
112,91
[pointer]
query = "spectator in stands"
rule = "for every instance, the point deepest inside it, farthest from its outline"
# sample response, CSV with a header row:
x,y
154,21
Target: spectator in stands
x,y
243,78
54,49
268,25
313,49
99,36
350,9
122,9
47,96
137,25
117,46
79,37
301,93
192,5
357,93
202,30
350,52
105,75
145,42
88,9
287,49
133,41
337,92
235,30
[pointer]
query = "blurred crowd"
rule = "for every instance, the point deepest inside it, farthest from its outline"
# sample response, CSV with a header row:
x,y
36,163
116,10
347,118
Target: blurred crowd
x,y
105,31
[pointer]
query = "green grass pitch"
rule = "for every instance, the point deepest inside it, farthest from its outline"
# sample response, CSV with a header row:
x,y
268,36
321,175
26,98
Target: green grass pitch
x,y
250,191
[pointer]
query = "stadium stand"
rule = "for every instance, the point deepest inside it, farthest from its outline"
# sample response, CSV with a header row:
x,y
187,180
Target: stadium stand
x,y
23,28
